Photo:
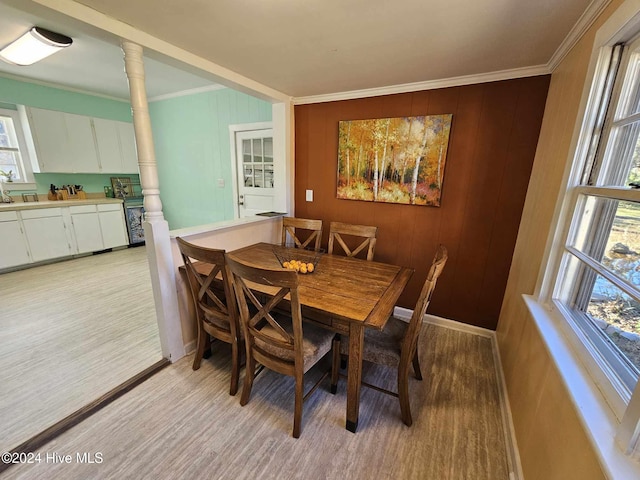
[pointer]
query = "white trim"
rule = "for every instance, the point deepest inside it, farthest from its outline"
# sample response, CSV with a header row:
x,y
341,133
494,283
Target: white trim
x,y
583,24
42,83
184,93
427,85
513,455
593,411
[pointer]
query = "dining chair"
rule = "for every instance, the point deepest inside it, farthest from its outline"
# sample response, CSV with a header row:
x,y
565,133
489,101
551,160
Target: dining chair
x,y
397,344
289,226
216,309
337,229
276,341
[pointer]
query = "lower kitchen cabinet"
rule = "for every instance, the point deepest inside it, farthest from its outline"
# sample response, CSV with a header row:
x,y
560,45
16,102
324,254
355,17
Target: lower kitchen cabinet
x,y
14,249
46,233
86,228
36,235
114,230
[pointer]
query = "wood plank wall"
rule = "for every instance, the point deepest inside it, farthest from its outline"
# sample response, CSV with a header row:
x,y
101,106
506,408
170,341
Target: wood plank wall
x,y
493,141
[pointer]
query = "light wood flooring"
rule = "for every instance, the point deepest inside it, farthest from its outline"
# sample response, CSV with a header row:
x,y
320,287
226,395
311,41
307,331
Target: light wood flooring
x,y
69,333
182,423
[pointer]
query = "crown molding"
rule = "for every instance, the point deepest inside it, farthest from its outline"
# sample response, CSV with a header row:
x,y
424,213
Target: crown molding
x,y
427,85
58,86
585,21
183,93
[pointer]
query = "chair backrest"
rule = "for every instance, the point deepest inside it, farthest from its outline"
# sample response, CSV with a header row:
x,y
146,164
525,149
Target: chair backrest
x,y
290,224
206,298
413,331
338,229
254,323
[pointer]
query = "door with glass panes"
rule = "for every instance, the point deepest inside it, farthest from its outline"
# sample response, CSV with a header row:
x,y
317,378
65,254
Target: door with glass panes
x,y
254,155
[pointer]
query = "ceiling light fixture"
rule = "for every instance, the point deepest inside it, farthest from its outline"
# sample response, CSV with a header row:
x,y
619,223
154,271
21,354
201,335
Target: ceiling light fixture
x,y
33,46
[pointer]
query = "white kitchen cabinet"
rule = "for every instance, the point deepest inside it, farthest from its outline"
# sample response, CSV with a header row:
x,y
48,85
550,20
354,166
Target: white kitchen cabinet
x,y
49,132
46,233
86,229
69,143
14,250
82,145
114,229
108,145
128,148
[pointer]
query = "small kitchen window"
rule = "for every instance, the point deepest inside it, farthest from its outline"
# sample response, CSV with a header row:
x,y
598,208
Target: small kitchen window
x,y
14,157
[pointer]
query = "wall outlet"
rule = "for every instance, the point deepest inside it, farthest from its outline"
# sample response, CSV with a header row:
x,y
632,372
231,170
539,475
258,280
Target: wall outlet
x,y
221,182
309,195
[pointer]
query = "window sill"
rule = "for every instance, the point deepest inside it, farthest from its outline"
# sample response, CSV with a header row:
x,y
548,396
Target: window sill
x,y
594,412
19,186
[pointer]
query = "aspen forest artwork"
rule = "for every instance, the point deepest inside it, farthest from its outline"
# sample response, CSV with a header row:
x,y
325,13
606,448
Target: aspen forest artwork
x,y
394,160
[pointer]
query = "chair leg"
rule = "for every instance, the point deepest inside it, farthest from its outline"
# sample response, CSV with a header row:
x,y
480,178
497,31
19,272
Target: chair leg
x,y
249,374
403,395
416,366
335,369
203,340
297,414
235,368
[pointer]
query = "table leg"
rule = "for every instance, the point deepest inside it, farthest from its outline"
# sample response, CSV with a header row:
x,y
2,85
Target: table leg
x,y
354,374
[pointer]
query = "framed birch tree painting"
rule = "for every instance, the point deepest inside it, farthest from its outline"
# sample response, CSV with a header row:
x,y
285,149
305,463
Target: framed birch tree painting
x,y
394,160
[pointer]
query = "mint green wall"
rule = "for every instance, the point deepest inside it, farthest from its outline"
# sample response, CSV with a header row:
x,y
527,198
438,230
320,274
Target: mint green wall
x,y
191,138
14,92
32,95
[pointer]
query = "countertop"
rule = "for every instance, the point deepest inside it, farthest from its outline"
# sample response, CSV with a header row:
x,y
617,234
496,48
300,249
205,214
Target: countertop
x,y
55,203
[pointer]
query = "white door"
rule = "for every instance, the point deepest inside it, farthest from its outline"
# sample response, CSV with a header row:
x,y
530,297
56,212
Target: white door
x,y
86,227
108,145
82,146
14,250
47,238
254,163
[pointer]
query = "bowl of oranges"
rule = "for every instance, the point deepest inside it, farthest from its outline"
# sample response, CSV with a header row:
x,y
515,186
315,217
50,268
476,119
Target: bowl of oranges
x,y
297,259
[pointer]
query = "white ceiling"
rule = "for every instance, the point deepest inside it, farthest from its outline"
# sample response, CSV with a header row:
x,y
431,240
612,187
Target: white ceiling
x,y
310,47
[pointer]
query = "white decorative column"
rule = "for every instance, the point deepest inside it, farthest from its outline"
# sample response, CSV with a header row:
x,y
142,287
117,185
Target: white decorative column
x,y
156,228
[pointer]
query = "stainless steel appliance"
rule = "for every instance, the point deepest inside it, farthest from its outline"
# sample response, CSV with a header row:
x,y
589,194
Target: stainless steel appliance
x,y
134,216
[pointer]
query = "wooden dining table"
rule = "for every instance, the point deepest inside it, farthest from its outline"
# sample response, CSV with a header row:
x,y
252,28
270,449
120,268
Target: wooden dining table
x,y
346,295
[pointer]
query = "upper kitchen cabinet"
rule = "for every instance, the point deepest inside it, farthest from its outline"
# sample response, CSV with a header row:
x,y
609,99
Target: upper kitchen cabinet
x,y
128,147
82,146
69,143
49,132
108,145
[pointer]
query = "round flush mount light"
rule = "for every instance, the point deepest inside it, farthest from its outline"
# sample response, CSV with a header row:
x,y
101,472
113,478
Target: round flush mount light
x,y
33,46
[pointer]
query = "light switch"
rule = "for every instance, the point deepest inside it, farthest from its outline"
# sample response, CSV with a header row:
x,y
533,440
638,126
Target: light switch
x,y
309,195
221,182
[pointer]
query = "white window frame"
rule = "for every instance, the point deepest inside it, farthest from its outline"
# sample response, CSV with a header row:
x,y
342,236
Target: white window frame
x,y
27,182
623,419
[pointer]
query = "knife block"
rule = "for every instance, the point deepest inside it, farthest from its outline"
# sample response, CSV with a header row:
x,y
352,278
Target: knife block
x,y
78,196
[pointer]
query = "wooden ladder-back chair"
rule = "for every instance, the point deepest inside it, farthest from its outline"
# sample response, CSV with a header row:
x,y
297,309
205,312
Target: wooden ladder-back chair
x,y
216,309
278,342
289,226
338,229
397,345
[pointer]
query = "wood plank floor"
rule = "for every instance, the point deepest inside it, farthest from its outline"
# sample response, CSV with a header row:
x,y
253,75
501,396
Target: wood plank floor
x,y
70,332
184,424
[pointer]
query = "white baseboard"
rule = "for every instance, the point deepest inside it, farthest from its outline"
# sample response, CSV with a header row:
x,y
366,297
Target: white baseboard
x,y
513,455
190,347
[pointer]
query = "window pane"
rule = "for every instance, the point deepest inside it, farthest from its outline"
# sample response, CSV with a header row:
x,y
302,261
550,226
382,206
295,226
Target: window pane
x,y
257,150
631,101
8,162
609,232
618,316
268,149
268,176
622,156
248,176
606,316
